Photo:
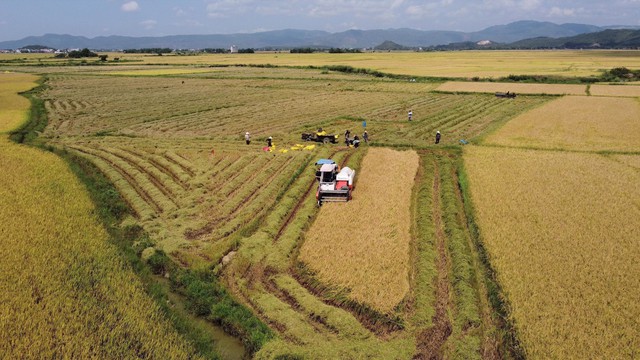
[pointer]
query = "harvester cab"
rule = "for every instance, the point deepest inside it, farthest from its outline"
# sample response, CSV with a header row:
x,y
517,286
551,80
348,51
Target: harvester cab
x,y
319,164
334,185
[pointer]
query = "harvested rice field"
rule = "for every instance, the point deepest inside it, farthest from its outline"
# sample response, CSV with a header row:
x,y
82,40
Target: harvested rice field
x,y
493,87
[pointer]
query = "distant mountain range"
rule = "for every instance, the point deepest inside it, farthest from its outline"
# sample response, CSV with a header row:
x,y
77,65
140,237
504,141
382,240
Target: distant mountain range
x,y
285,39
609,39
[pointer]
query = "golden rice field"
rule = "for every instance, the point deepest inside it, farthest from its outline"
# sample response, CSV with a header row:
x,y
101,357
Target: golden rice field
x,y
452,64
561,229
463,64
617,90
575,123
170,138
173,146
493,87
345,249
13,108
65,291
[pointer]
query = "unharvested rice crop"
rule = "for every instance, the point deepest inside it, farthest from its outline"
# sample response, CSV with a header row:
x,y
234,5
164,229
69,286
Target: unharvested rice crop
x,y
576,123
363,245
616,90
492,87
64,290
460,64
12,106
561,230
463,64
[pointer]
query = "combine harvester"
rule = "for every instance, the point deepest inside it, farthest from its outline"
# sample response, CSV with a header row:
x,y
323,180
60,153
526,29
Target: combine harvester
x,y
507,95
334,185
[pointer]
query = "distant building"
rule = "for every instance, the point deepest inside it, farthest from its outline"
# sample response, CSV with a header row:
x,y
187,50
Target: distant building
x,y
484,42
233,49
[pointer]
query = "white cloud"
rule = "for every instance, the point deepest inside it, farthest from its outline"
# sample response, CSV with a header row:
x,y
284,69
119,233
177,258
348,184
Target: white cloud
x,y
430,9
556,11
529,4
149,24
397,3
130,6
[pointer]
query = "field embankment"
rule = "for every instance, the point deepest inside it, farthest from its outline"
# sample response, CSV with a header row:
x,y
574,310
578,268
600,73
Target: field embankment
x,y
65,290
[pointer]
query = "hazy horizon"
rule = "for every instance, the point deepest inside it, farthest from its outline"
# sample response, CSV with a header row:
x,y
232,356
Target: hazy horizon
x,y
23,18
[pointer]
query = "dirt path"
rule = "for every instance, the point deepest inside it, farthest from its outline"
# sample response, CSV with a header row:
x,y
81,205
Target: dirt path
x,y
430,341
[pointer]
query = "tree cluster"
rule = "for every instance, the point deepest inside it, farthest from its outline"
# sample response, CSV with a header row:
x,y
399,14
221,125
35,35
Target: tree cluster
x,y
341,51
215,51
307,50
621,74
76,54
148,51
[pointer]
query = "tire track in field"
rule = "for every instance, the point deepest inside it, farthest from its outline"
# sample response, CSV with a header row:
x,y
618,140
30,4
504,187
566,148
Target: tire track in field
x,y
303,198
490,347
430,341
316,322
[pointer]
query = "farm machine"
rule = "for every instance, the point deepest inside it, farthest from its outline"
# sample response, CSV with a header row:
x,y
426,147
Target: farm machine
x,y
320,136
507,95
334,184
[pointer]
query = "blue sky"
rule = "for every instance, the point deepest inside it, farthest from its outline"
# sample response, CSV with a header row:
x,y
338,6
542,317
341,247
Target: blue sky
x,y
91,18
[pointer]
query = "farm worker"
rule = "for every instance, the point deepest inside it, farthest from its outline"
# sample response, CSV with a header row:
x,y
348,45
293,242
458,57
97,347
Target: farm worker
x,y
356,141
410,114
247,138
269,141
347,134
437,137
365,136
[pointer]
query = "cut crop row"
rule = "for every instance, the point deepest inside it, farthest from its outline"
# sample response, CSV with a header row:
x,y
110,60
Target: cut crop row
x,y
136,196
